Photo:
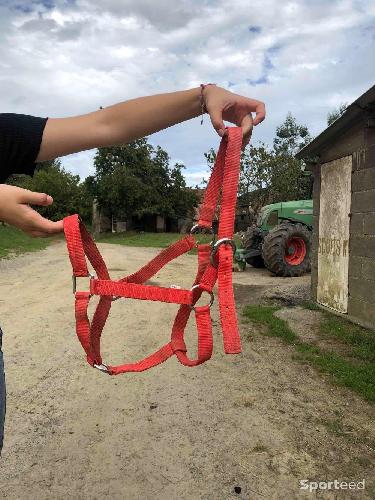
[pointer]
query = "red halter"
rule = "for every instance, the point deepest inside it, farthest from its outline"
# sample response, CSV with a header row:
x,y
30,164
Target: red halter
x,y
214,264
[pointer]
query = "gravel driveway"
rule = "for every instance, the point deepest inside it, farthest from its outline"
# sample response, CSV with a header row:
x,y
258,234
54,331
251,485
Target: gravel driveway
x,y
248,426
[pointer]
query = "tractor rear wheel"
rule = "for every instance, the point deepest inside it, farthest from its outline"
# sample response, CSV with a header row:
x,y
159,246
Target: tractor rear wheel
x,y
286,250
256,261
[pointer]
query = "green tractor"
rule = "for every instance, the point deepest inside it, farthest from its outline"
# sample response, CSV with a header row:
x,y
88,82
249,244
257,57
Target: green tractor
x,y
280,240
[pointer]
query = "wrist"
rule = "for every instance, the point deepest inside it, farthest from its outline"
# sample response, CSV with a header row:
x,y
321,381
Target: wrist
x,y
202,98
204,89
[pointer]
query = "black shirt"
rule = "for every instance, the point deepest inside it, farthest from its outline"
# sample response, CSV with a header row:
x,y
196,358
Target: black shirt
x,y
20,139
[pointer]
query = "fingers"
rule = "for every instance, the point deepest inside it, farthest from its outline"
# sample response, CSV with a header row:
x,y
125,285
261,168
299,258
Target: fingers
x,y
260,113
247,125
34,224
247,128
29,197
217,121
42,226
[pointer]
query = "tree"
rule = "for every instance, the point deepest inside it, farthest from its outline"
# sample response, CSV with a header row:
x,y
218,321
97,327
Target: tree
x,y
289,177
290,137
136,180
181,199
336,113
255,176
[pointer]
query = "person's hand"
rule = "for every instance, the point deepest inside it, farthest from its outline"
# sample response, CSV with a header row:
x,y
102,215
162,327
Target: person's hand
x,y
224,105
15,210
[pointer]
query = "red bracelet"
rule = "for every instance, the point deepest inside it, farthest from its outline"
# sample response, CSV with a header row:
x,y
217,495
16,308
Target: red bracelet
x,y
203,106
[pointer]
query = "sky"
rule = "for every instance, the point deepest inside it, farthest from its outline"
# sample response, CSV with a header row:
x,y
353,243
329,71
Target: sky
x,y
68,57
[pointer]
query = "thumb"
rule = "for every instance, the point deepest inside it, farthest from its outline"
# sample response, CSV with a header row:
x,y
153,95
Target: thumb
x,y
32,198
217,121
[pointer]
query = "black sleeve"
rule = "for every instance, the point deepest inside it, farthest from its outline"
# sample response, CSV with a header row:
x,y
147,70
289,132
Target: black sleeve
x,y
20,139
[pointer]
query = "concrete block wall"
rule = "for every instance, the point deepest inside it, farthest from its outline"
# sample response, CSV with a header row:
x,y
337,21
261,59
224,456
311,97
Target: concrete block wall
x,y
361,305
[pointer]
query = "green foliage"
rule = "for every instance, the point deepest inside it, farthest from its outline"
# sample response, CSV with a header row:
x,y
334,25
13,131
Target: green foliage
x,y
290,137
289,179
69,195
136,179
336,113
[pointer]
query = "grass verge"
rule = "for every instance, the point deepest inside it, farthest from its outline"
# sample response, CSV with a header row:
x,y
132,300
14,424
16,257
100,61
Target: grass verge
x,y
133,239
15,242
153,240
357,373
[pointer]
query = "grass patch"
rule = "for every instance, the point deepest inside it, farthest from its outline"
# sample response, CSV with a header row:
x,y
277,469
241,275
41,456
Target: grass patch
x,y
361,340
358,375
134,239
153,240
14,242
276,327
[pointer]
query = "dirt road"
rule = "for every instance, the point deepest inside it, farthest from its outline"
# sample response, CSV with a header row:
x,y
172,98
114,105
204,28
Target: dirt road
x,y
248,426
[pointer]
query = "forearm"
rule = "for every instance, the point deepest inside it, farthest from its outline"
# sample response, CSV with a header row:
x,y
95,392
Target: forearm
x,y
118,124
143,116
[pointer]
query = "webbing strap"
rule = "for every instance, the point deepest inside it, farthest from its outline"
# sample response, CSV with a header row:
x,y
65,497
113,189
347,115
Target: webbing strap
x,y
202,317
212,193
141,292
228,316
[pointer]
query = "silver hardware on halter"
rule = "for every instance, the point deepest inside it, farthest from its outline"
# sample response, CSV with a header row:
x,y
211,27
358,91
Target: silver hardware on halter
x,y
215,247
211,294
102,368
74,279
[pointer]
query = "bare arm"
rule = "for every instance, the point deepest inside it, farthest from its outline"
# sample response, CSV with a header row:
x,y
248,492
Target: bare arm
x,y
119,124
129,120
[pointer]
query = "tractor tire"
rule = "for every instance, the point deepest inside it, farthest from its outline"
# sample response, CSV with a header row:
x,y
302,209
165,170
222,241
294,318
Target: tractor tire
x,y
287,250
256,261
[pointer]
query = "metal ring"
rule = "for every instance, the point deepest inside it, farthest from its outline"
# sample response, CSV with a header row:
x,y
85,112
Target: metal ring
x,y
102,368
211,294
222,241
197,228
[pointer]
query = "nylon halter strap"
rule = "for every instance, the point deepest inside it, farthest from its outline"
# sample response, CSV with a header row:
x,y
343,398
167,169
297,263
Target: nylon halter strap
x,y
214,264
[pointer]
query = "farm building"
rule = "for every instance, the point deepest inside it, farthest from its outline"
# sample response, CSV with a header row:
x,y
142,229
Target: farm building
x,y
342,159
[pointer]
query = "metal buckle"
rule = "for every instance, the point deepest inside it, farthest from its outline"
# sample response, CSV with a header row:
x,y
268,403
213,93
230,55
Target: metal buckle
x,y
215,247
211,294
74,279
102,368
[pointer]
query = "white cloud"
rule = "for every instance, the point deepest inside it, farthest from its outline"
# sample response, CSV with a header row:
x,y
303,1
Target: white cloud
x,y
66,57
